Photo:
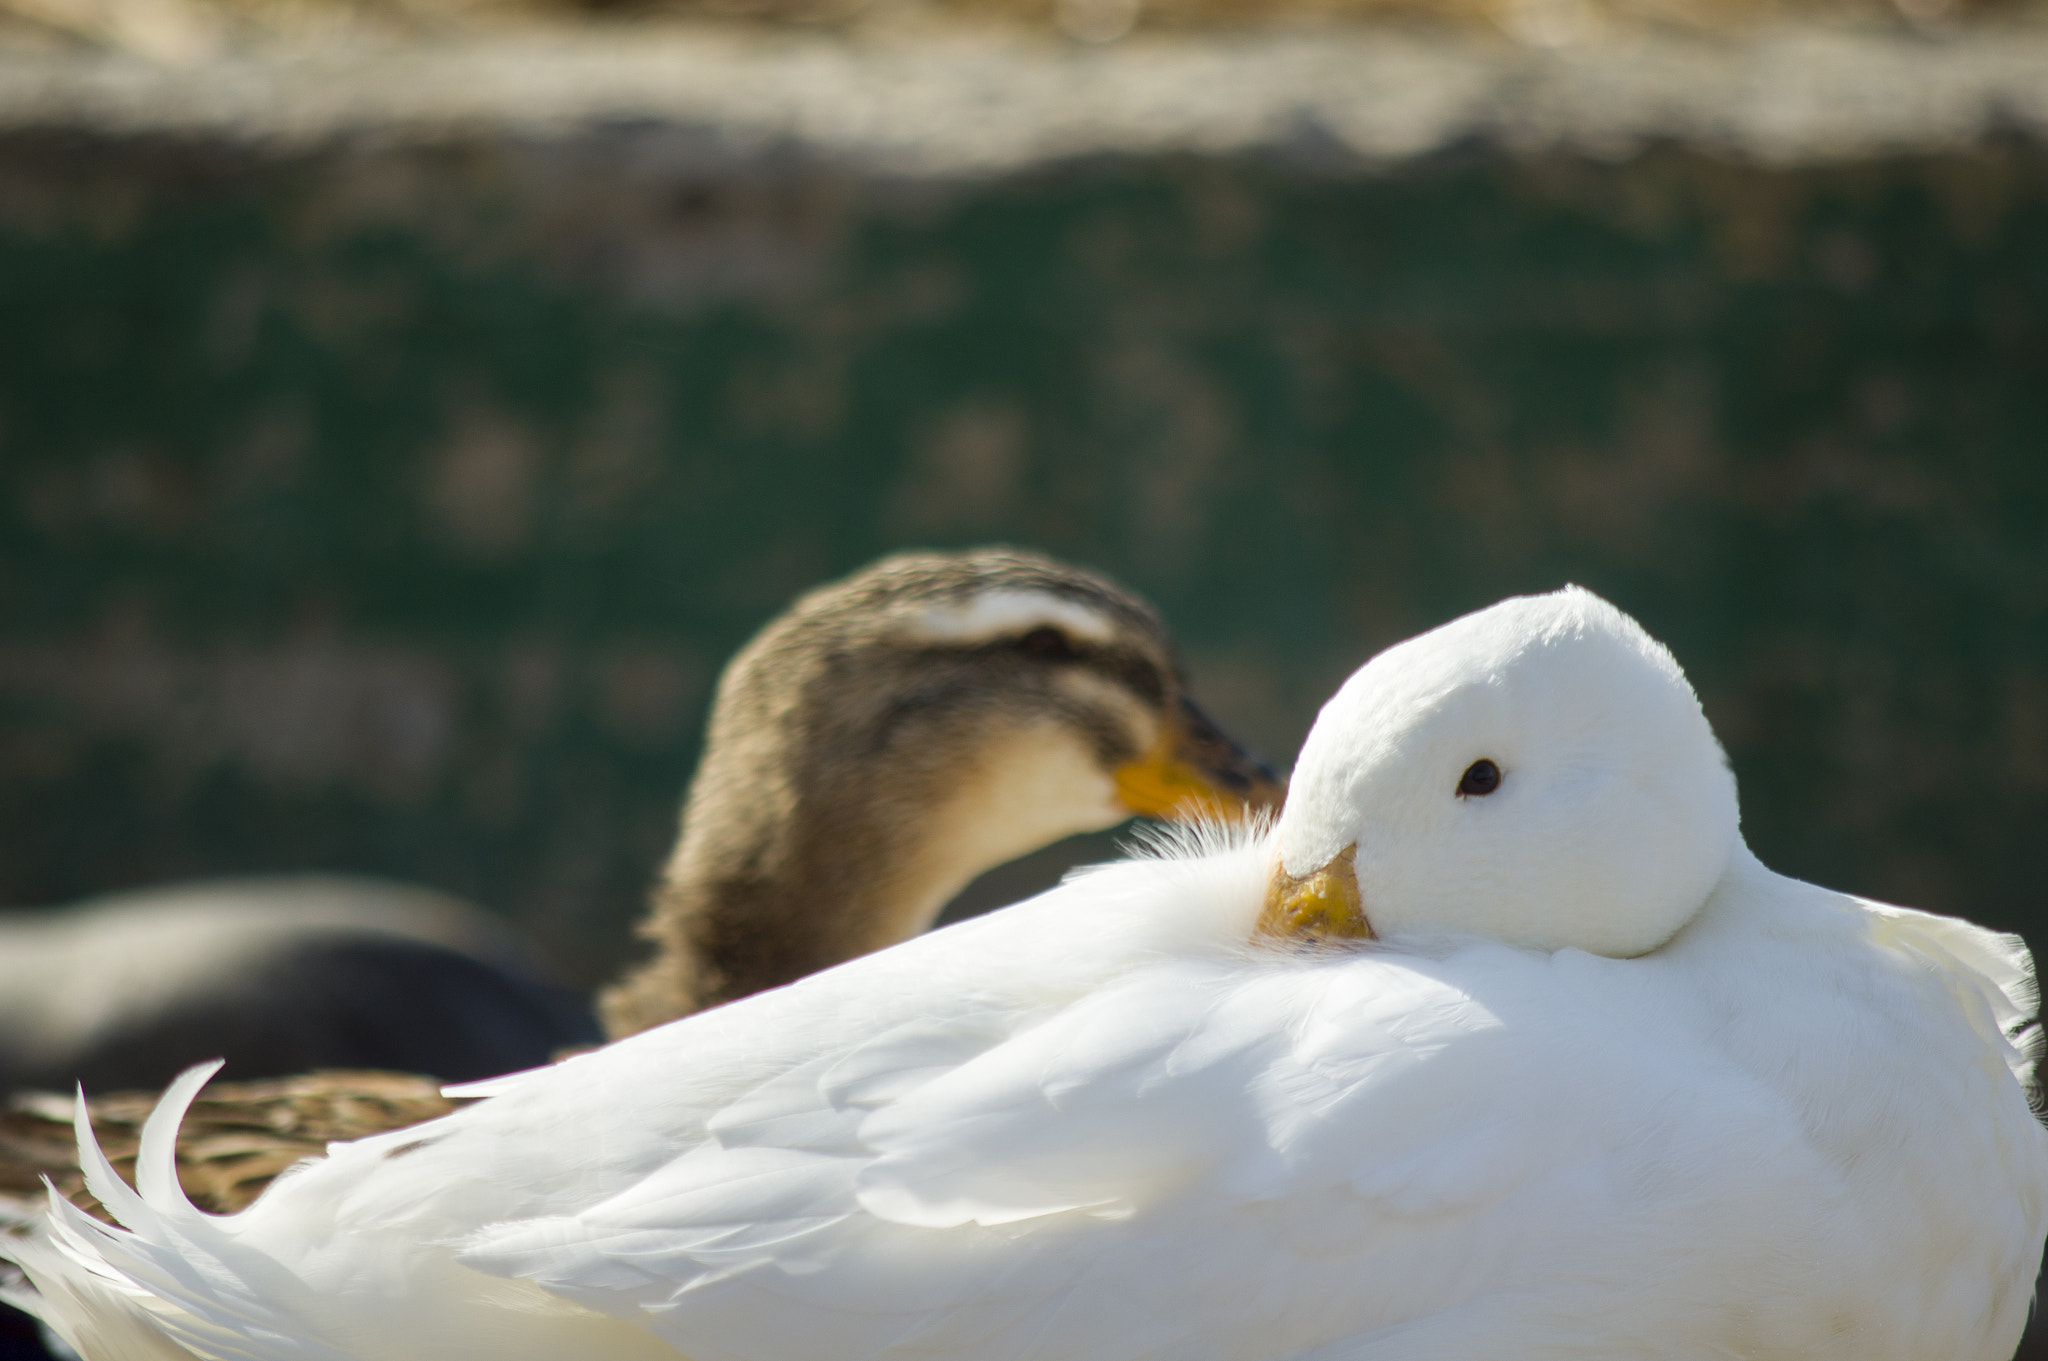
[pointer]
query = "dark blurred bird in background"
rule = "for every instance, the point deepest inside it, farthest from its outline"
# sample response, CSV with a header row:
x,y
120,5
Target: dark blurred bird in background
x,y
282,973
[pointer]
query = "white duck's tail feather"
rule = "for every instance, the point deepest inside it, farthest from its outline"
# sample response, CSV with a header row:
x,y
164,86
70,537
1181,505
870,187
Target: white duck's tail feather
x,y
93,1315
167,1285
1990,974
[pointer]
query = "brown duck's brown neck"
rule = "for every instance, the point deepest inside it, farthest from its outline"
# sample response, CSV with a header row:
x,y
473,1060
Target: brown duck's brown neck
x,y
769,885
750,903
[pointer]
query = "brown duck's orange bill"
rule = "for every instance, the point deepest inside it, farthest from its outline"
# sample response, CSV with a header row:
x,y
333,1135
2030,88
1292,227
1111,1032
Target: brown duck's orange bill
x,y
1323,905
1194,770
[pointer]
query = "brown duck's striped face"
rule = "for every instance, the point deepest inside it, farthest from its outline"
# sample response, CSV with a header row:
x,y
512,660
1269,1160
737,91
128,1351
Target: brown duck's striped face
x,y
1090,710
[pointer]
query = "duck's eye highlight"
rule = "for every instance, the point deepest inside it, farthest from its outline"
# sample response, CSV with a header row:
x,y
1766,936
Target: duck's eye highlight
x,y
1481,778
1046,643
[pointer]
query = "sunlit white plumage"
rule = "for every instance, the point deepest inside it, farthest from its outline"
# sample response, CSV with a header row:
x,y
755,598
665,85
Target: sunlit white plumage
x,y
1605,1087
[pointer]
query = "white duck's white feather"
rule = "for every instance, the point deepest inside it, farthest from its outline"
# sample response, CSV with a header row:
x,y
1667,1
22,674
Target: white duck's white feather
x,y
1104,1125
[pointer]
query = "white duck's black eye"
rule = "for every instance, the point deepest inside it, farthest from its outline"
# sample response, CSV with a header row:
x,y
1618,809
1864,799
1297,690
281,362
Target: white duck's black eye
x,y
1481,778
1046,643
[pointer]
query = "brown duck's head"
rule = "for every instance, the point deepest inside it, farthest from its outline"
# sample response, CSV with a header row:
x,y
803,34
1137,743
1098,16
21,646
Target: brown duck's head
x,y
1007,679
897,733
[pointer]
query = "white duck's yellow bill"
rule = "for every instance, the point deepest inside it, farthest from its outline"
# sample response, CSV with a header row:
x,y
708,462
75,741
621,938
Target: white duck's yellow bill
x,y
1322,905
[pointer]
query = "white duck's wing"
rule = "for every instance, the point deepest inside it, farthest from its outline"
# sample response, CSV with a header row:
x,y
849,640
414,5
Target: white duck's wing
x,y
1203,1158
809,1056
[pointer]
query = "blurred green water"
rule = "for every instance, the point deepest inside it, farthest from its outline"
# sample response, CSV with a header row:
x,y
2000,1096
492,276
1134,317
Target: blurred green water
x,y
392,509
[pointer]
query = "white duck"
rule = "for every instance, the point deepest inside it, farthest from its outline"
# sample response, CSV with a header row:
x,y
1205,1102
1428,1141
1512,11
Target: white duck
x,y
1603,1087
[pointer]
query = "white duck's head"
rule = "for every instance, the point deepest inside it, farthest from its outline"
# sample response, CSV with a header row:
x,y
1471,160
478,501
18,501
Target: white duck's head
x,y
1538,773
